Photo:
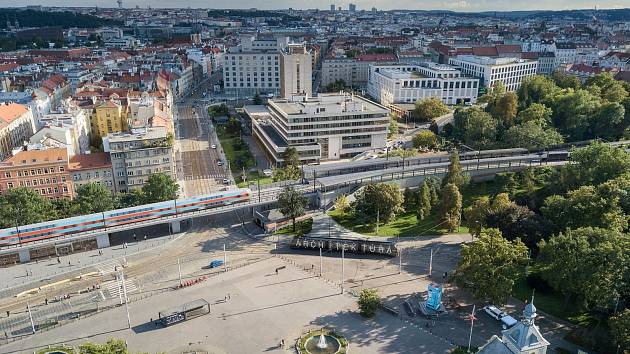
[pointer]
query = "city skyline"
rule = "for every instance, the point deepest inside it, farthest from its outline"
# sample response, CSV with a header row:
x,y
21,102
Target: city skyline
x,y
458,5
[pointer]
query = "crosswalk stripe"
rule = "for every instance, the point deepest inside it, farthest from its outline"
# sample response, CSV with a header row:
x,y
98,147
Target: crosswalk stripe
x,y
114,288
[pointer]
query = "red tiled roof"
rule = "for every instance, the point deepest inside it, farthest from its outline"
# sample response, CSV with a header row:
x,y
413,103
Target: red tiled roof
x,y
90,161
37,156
11,111
485,51
376,57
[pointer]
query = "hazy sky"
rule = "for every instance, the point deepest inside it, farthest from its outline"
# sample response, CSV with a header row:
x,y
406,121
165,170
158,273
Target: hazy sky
x,y
458,5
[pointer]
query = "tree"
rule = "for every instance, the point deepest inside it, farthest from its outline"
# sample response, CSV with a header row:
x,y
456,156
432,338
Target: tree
x,y
504,108
291,156
475,127
434,190
424,201
257,99
112,346
410,200
564,80
382,201
537,113
608,122
517,221
338,85
342,204
393,128
608,88
573,112
369,302
531,135
455,174
428,109
94,198
65,208
132,198
535,90
589,265
160,187
584,207
595,164
425,139
620,328
292,203
233,126
476,214
489,266
450,213
23,206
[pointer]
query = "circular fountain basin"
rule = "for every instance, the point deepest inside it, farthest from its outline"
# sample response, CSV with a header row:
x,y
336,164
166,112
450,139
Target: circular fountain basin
x,y
332,345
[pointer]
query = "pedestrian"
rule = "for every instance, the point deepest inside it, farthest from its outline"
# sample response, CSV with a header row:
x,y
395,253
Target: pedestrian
x,y
229,296
27,272
58,260
145,237
8,313
69,264
282,343
46,301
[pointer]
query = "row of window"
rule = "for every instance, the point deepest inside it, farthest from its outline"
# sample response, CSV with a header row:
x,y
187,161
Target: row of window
x,y
33,172
42,191
35,182
88,175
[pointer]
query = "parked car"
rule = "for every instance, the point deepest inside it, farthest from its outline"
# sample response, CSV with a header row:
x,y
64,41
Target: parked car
x,y
267,172
216,263
219,163
213,146
226,181
508,321
494,312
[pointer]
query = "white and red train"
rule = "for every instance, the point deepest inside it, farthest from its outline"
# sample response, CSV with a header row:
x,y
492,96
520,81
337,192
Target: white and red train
x,y
63,227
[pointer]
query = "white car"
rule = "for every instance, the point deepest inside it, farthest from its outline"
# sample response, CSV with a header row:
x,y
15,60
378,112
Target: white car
x,y
226,181
219,163
213,146
267,172
494,312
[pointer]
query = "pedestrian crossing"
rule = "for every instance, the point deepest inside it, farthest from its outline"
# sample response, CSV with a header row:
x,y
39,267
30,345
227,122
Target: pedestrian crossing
x,y
208,176
110,266
113,289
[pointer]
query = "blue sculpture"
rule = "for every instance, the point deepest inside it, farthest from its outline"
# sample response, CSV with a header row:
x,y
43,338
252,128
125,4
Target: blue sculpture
x,y
434,301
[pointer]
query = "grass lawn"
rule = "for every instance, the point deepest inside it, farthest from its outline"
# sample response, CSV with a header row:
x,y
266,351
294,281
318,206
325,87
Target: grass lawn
x,y
253,177
404,225
551,303
237,153
302,228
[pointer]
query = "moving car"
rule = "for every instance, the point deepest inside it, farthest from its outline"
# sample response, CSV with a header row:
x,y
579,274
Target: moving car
x,y
216,263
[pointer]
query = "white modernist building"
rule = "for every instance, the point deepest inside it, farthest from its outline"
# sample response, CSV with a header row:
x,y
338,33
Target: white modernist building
x,y
509,71
326,127
296,71
390,84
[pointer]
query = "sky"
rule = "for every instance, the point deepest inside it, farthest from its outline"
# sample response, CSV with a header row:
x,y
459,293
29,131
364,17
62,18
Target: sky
x,y
455,5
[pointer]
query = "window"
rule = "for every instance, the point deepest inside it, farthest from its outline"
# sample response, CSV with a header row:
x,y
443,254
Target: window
x,y
61,169
7,174
10,185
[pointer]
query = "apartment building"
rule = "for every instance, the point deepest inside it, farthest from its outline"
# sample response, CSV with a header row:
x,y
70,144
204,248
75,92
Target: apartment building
x,y
109,117
44,171
16,127
509,71
326,127
254,65
296,71
92,168
354,72
138,154
390,84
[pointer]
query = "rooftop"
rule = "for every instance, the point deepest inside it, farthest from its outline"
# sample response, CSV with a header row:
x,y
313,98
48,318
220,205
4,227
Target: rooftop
x,y
90,161
11,111
326,104
32,157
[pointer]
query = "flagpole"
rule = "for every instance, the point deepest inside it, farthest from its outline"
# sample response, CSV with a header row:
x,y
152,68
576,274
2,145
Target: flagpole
x,y
472,321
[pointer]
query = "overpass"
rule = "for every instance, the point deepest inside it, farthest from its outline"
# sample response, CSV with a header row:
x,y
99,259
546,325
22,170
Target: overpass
x,y
321,191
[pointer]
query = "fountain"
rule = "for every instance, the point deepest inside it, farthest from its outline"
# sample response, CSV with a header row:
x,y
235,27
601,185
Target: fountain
x,y
322,342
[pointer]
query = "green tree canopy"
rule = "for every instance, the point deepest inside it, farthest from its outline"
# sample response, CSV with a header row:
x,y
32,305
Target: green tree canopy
x,y
292,203
94,198
160,187
475,127
608,88
537,113
564,80
425,139
476,214
489,266
23,206
573,112
595,164
112,346
455,174
620,328
382,200
531,135
424,201
451,207
428,109
590,265
535,90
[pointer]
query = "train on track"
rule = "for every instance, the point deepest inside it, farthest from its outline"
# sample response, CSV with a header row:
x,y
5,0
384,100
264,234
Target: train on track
x,y
64,227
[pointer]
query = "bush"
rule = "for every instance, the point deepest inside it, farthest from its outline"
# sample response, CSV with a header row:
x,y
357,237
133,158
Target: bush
x,y
369,302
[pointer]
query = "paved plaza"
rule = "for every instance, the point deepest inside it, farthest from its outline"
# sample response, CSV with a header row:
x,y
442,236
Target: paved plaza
x,y
263,308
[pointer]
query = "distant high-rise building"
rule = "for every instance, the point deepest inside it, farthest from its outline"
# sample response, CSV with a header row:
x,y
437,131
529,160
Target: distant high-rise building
x,y
352,7
332,8
374,9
